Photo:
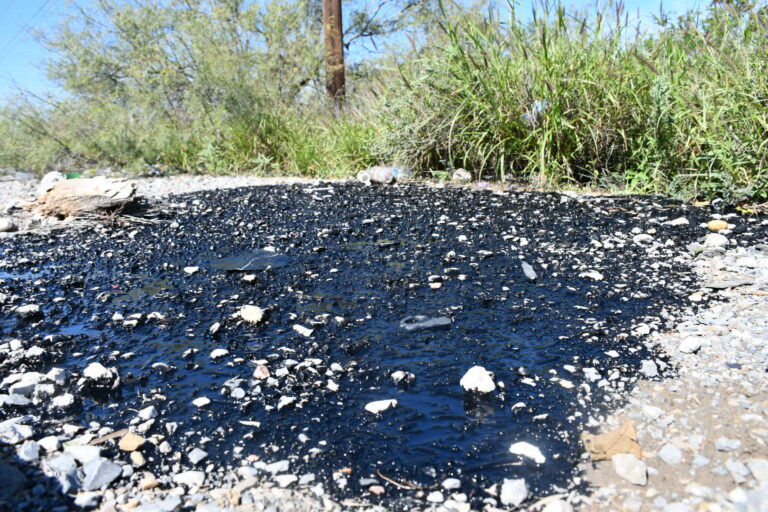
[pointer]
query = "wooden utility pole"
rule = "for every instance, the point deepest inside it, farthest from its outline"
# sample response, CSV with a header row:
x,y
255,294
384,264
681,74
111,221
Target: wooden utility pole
x,y
334,50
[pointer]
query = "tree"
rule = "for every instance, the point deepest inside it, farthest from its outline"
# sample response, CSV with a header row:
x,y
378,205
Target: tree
x,y
334,49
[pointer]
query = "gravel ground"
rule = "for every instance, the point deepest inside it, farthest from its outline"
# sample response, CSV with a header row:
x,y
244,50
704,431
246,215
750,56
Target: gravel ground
x,y
702,433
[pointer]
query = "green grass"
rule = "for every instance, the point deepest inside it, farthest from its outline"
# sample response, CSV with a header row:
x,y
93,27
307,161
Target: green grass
x,y
682,110
567,99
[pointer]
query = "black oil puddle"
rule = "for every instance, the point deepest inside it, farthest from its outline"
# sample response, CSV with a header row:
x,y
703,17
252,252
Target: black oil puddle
x,y
355,266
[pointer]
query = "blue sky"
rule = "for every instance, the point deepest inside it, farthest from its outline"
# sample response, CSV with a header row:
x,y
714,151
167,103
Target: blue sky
x,y
21,57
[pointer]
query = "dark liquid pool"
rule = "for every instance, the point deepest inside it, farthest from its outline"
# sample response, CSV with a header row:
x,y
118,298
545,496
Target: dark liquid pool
x,y
351,263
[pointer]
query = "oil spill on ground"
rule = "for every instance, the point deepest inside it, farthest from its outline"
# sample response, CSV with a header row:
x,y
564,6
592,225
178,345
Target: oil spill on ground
x,y
351,264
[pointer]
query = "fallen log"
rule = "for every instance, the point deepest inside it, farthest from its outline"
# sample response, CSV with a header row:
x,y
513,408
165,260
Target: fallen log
x,y
72,198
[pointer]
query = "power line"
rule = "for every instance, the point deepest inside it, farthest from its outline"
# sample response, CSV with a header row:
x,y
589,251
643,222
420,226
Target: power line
x,y
8,47
7,6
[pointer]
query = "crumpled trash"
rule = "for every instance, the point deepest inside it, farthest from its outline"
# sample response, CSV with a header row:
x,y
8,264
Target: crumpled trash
x,y
535,112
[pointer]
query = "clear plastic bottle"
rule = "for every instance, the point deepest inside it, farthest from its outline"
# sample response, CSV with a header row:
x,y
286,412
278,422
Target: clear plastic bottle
x,y
383,174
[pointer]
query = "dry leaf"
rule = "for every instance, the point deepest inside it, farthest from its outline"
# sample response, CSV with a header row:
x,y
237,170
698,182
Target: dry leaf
x,y
605,446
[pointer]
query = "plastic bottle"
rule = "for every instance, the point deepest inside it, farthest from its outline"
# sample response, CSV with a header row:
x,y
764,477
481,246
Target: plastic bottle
x,y
383,174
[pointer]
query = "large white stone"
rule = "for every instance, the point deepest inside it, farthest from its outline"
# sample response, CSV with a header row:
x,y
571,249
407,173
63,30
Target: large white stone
x,y
97,371
190,478
478,380
630,468
529,451
201,401
252,314
28,310
715,240
380,406
304,331
219,353
514,491
690,345
285,480
63,401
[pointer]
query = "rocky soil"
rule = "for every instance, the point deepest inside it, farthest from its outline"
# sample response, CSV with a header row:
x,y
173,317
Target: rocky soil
x,y
702,431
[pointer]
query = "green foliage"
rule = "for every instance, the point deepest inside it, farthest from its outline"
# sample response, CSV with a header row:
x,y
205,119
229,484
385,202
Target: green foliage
x,y
564,98
578,99
215,86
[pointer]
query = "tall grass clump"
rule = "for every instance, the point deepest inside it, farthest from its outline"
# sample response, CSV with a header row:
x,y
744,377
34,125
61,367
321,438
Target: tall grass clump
x,y
565,98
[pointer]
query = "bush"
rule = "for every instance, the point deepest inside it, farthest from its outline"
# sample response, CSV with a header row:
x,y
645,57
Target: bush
x,y
565,99
573,99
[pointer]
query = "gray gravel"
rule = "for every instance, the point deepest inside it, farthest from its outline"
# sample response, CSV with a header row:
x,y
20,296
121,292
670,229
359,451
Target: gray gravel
x,y
704,434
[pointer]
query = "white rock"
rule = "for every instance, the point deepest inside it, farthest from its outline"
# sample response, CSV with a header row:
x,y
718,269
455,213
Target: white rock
x,y
218,353
49,181
63,401
97,371
528,270
592,274
435,497
285,480
88,500
57,375
252,314
191,270
25,386
50,444
513,492
190,478
715,240
528,450
34,352
759,469
285,401
281,466
649,368
670,454
461,175
201,401
303,330
630,468
29,451
724,444
380,406
642,239
680,221
652,412
197,455
7,225
591,374
148,413
28,310
478,380
690,345
404,377
557,506
450,484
